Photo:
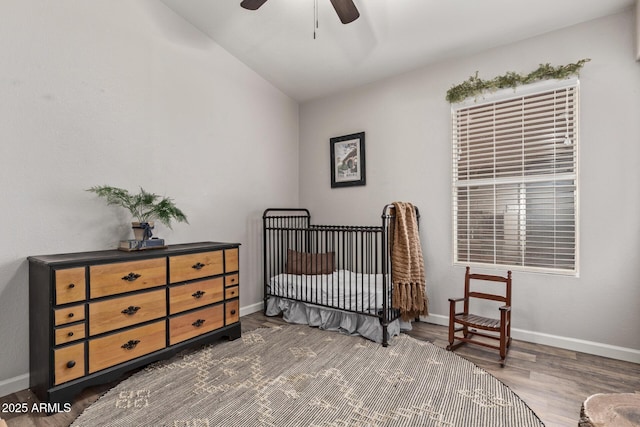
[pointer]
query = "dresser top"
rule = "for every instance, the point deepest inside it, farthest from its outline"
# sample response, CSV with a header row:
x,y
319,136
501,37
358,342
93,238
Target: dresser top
x,y
117,255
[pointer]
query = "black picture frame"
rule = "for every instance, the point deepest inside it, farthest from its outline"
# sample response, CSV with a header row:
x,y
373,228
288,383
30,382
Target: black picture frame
x,y
348,160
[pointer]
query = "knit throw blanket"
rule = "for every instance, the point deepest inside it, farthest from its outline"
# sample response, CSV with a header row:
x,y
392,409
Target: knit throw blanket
x,y
407,264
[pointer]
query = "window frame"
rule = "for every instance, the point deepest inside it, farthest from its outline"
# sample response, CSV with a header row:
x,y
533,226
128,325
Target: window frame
x,y
506,95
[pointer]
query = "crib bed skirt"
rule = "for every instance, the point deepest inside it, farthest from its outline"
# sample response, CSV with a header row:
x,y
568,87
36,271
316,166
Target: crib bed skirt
x,y
333,320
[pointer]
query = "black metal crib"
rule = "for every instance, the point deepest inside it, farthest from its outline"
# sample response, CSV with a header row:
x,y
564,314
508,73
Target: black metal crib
x,y
341,267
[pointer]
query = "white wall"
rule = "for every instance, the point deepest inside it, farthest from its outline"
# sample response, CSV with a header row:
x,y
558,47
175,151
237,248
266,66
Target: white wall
x,y
128,94
408,143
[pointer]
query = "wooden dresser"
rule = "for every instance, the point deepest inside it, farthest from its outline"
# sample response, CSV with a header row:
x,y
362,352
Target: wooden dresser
x,y
95,315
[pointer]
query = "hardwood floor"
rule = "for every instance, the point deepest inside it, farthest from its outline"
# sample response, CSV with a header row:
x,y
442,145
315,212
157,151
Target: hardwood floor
x,y
552,381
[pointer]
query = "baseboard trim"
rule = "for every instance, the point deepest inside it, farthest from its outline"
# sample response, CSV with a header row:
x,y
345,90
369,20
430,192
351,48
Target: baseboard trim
x,y
246,310
573,344
14,385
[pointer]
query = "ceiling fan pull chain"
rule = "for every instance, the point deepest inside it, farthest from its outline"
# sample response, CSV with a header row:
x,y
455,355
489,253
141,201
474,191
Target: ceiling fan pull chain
x,y
315,18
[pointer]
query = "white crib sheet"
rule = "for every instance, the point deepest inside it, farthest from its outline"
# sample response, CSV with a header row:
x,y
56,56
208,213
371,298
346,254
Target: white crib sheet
x,y
342,289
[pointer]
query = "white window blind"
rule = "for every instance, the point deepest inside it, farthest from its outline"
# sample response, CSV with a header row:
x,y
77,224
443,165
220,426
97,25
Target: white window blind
x,y
515,181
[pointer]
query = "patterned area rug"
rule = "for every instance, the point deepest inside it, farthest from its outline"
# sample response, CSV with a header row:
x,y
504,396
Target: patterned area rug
x,y
300,376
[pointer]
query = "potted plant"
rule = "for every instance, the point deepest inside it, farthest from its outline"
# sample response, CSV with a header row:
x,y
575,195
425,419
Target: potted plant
x,y
144,207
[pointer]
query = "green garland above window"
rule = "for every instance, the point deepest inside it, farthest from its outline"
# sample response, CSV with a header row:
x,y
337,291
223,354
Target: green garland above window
x,y
475,85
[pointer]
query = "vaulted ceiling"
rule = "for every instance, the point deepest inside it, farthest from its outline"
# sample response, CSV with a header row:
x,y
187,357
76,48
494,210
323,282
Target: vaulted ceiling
x,y
390,37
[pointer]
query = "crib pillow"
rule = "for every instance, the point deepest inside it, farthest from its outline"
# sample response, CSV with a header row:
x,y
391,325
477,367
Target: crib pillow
x,y
308,263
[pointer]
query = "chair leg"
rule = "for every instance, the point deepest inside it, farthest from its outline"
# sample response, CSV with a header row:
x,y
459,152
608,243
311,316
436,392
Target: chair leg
x,y
503,350
452,325
505,340
451,336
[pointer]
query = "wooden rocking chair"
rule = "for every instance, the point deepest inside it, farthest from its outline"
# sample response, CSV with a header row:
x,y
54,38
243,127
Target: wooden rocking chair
x,y
469,324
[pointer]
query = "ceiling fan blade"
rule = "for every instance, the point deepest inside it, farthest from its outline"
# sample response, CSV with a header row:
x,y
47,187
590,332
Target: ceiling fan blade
x,y
346,10
252,4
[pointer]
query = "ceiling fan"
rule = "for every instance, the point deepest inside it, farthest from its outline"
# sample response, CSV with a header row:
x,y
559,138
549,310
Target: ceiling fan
x,y
346,10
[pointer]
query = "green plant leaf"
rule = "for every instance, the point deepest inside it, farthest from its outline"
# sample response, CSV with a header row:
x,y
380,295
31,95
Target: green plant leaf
x,y
143,206
475,86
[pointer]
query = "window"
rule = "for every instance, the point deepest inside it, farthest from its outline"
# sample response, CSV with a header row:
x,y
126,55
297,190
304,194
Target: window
x,y
515,179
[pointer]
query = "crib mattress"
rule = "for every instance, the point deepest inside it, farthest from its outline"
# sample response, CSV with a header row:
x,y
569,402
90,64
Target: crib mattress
x,y
343,289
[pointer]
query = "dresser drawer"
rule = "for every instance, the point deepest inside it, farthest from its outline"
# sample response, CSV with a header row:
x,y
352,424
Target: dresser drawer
x,y
232,292
68,314
130,344
70,333
68,363
116,313
231,279
196,294
116,278
70,285
195,266
190,325
231,260
232,309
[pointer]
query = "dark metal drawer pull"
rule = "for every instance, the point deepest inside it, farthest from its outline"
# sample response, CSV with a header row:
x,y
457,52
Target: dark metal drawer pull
x,y
131,277
70,314
233,312
198,294
198,323
71,363
70,334
198,265
130,345
130,310
72,285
